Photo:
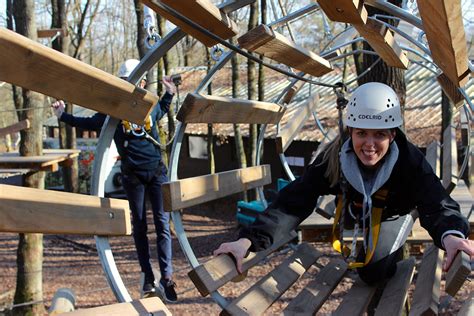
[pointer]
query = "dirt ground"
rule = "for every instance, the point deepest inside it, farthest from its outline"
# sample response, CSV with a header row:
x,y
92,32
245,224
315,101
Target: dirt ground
x,y
72,262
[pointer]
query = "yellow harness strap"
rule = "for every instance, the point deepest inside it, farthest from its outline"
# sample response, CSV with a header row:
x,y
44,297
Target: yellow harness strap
x,y
129,127
379,198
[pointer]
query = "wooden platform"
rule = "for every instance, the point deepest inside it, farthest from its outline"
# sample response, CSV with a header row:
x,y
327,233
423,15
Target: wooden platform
x,y
30,65
50,161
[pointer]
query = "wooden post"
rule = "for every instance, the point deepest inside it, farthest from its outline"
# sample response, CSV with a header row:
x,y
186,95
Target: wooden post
x,y
63,301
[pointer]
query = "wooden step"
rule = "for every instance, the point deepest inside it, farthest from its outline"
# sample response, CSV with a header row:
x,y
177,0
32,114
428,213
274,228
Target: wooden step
x,y
346,11
198,108
293,125
313,296
382,40
29,210
202,12
49,161
265,41
458,272
450,89
143,307
443,25
267,290
211,275
356,300
428,281
21,125
63,77
395,292
188,192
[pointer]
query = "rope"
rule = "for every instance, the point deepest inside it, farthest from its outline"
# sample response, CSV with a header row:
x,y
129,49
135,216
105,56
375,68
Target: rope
x,y
237,49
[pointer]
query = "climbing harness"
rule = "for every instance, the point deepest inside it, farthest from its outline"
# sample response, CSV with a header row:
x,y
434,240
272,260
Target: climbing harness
x,y
349,254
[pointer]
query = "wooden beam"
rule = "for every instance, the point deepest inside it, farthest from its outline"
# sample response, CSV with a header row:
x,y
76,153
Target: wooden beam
x,y
450,158
395,292
450,90
293,126
50,160
21,125
428,281
28,210
268,289
292,91
211,275
265,41
51,33
458,273
36,67
197,190
202,12
198,108
381,39
346,11
313,296
143,307
356,300
442,23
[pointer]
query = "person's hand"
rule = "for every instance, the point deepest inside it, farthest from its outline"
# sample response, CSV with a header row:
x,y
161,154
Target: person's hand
x,y
169,85
58,108
453,244
237,248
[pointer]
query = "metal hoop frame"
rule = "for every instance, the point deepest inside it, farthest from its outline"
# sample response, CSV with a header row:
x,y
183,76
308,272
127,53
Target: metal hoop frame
x,y
98,177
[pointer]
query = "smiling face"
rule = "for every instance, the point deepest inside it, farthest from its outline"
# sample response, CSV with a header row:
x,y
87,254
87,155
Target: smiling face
x,y
371,145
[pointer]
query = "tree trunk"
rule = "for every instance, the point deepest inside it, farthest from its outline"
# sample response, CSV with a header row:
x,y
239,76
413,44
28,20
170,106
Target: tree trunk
x,y
210,136
30,247
252,94
67,133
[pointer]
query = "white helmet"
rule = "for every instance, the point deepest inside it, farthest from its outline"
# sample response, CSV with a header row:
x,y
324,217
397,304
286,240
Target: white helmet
x,y
374,105
127,67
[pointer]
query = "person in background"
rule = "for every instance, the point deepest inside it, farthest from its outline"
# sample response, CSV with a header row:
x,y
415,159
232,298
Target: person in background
x,y
379,178
143,173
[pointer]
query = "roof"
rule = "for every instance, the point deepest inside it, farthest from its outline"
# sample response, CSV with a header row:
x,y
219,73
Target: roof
x,y
422,108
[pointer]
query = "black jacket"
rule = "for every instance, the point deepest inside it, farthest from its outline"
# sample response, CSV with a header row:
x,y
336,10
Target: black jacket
x,y
137,153
412,184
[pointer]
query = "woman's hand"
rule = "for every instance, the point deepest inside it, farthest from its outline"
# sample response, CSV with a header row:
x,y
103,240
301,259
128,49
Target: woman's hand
x,y
58,108
453,244
169,85
237,248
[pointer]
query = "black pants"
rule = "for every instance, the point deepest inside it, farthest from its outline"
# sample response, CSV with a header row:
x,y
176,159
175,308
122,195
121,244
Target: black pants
x,y
388,251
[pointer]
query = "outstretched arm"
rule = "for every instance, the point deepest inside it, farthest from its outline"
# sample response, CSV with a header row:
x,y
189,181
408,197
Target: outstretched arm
x,y
94,122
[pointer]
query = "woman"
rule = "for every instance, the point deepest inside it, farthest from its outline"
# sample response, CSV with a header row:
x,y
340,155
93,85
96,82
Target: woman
x,y
379,178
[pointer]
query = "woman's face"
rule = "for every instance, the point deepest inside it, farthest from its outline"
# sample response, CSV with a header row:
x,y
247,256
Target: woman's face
x,y
371,145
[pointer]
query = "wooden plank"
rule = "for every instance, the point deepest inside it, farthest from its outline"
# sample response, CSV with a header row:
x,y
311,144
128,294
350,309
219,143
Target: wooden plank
x,y
293,126
381,39
267,290
202,12
442,23
428,281
265,41
197,190
467,308
458,273
395,292
36,67
356,300
347,11
143,307
292,91
50,161
326,206
211,275
433,156
313,296
50,32
21,125
450,158
28,210
450,90
198,108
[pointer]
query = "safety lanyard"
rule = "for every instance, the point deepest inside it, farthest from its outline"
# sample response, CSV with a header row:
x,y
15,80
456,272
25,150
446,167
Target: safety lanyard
x,y
379,197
